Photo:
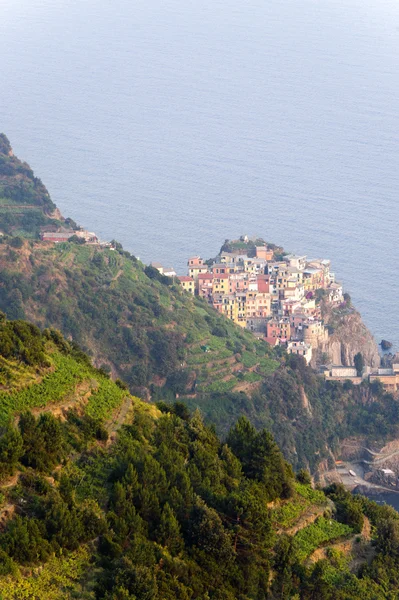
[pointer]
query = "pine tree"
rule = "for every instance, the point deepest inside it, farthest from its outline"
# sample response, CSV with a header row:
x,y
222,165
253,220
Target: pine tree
x,y
168,531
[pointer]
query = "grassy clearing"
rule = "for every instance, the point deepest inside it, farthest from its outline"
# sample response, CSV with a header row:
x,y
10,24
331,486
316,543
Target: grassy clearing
x,y
249,359
267,366
105,400
288,512
218,386
252,377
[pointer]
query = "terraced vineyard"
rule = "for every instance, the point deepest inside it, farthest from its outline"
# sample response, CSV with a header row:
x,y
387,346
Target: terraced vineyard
x,y
321,532
63,381
222,364
52,389
305,502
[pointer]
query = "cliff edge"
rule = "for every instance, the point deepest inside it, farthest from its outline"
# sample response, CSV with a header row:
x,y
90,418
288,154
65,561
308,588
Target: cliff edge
x,y
348,336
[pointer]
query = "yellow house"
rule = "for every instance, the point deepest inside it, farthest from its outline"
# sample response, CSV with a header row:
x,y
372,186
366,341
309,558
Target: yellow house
x,y
241,302
187,283
220,284
390,382
313,279
229,307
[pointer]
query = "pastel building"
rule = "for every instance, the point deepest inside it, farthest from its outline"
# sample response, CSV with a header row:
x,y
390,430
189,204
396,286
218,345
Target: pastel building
x,y
205,285
187,283
196,266
264,252
279,328
220,284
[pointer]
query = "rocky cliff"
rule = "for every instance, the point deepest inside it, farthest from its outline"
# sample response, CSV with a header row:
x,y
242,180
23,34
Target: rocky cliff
x,y
348,336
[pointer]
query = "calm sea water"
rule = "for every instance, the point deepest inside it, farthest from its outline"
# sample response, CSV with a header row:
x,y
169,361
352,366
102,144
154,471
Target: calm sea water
x,y
172,125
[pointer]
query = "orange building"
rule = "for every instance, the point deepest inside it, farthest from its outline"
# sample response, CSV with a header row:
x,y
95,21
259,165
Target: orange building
x,y
264,252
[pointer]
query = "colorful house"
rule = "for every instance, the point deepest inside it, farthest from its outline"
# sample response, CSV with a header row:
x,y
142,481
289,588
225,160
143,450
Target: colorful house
x,y
279,328
187,283
205,285
196,266
264,252
220,284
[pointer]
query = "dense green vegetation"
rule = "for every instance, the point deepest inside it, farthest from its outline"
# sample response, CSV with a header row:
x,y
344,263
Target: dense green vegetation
x,y
167,509
248,247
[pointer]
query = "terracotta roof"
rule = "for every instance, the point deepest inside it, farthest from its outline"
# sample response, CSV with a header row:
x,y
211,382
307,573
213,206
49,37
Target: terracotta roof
x,y
185,278
272,341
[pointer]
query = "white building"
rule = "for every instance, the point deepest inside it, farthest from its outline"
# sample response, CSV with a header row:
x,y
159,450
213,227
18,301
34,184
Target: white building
x,y
300,348
299,262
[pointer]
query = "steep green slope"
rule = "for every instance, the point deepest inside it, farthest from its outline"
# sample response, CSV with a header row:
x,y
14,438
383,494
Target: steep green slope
x,y
25,204
144,328
43,371
167,511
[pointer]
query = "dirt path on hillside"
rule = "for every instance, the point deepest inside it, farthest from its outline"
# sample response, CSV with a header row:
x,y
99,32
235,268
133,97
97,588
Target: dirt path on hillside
x,y
117,422
6,513
382,458
119,273
19,206
11,481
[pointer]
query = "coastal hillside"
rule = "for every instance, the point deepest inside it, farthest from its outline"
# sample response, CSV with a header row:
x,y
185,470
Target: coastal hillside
x,y
105,497
140,326
166,344
25,204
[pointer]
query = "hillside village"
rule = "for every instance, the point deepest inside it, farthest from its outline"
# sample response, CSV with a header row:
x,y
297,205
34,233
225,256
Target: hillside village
x,y
275,297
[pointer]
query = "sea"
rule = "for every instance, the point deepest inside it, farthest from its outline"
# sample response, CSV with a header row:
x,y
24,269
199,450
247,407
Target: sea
x,y
171,125
391,498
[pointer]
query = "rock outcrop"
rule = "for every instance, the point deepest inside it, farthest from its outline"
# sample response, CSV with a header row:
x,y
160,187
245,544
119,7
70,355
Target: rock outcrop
x,y
385,345
349,335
